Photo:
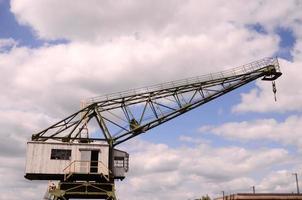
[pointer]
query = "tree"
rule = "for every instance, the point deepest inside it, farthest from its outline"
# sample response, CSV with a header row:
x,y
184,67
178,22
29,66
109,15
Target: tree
x,y
204,198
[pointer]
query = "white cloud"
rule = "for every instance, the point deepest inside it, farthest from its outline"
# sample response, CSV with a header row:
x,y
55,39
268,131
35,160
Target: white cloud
x,y
279,181
289,92
286,132
95,20
167,31
297,52
60,76
6,44
157,167
16,187
288,85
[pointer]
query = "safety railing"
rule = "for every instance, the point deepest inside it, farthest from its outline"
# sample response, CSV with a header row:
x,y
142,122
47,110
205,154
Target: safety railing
x,y
244,69
86,167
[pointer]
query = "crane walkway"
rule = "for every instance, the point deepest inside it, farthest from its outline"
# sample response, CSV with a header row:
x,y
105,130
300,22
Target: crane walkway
x,y
264,63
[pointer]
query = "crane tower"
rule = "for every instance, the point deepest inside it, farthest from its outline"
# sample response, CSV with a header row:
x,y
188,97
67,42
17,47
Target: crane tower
x,y
80,151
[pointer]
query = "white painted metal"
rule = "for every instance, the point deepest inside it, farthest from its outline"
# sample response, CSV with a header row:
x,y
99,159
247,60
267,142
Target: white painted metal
x,y
85,156
38,158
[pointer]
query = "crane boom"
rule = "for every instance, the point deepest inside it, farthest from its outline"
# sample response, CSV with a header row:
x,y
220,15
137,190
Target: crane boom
x,y
124,115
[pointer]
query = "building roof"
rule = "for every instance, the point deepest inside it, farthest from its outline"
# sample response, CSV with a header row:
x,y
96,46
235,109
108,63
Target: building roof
x,y
259,196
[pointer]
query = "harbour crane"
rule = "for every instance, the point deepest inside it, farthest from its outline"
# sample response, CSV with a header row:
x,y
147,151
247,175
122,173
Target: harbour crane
x,y
80,151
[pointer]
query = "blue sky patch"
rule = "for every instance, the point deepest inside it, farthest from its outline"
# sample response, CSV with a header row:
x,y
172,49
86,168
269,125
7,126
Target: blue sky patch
x,y
11,29
287,39
287,42
257,27
24,35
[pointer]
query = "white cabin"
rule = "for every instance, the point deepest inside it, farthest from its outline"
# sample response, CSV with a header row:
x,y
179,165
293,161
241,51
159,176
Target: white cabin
x,y
58,161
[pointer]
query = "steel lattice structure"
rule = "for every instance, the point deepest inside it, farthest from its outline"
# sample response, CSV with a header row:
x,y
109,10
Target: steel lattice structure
x,y
124,115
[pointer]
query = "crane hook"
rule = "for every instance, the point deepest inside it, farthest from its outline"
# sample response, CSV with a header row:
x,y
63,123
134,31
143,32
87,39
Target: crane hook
x,y
274,90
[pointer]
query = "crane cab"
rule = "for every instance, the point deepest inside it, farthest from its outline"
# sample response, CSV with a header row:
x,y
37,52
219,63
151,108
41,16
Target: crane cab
x,y
121,163
73,161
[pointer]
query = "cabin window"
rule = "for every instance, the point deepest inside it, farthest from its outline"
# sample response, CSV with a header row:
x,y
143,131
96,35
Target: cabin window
x,y
60,154
118,161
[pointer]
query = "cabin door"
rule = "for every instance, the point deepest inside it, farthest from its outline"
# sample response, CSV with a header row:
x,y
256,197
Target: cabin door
x,y
94,161
85,161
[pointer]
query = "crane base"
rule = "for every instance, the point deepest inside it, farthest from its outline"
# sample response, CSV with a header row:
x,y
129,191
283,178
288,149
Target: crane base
x,y
83,190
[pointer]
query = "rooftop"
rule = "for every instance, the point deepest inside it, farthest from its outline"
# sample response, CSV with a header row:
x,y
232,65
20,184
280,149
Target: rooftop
x,y
259,196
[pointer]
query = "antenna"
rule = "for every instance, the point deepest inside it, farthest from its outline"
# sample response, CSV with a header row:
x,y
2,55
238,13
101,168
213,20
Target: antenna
x,y
297,183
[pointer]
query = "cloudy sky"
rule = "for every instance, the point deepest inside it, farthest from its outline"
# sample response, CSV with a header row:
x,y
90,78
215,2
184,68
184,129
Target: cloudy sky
x,y
54,53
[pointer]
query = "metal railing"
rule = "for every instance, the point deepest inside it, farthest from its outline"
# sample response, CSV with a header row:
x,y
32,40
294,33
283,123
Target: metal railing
x,y
86,167
244,69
